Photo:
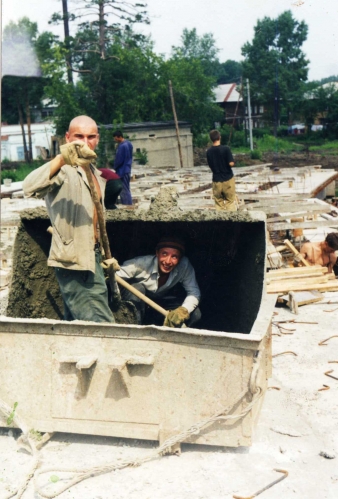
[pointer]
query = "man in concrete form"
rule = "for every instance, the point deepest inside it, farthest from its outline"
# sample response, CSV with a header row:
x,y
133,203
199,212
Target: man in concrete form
x,y
321,253
75,250
122,165
168,278
220,161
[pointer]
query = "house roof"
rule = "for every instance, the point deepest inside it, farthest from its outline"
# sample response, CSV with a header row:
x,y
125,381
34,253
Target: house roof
x,y
227,93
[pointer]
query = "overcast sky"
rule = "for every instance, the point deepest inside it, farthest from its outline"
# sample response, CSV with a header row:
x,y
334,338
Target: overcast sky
x,y
230,21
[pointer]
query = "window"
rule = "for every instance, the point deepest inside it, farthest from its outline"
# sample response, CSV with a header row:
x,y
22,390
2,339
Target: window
x,y
20,153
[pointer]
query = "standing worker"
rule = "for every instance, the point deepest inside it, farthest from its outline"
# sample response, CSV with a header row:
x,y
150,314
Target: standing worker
x,y
75,251
220,161
122,165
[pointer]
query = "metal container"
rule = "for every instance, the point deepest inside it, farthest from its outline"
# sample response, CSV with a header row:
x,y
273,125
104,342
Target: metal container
x,y
134,381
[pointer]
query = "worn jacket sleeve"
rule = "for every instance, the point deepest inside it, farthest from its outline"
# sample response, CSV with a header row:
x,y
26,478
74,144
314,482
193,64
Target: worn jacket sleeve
x,y
119,157
191,287
38,184
128,269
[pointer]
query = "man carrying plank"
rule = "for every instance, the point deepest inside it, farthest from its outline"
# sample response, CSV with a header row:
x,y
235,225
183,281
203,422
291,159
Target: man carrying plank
x,y
321,253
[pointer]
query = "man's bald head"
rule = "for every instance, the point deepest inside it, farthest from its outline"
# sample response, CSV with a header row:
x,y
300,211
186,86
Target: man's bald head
x,y
85,129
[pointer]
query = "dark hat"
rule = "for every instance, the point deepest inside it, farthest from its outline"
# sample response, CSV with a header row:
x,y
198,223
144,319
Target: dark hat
x,y
171,242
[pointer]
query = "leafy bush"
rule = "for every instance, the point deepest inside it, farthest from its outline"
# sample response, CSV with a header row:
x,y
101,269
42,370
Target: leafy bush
x,y
141,156
202,140
258,133
8,174
256,154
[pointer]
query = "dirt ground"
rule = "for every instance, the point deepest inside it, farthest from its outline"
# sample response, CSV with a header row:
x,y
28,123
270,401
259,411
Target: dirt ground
x,y
282,160
296,432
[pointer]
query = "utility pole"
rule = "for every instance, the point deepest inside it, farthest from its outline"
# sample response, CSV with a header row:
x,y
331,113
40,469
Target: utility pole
x,y
176,123
249,114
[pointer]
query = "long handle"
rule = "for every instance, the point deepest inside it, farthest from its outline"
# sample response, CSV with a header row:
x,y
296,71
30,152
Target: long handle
x,y
103,231
140,295
296,252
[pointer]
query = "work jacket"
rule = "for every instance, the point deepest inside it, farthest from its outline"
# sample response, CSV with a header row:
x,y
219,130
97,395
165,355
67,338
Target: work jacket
x,y
70,208
144,269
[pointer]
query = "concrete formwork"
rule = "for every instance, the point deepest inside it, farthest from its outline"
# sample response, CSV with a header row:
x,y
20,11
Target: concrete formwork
x,y
142,381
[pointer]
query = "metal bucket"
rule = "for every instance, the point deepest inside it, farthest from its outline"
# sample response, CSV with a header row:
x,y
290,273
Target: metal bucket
x,y
143,382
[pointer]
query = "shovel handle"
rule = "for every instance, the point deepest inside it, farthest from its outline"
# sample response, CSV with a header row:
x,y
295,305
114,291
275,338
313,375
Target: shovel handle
x,y
140,295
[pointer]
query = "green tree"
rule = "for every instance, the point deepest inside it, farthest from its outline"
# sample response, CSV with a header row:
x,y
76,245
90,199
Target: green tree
x,y
53,59
193,91
125,14
229,72
275,64
321,102
198,47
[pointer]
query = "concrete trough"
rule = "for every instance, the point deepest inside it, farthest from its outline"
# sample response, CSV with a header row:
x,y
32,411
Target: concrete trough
x,y
143,382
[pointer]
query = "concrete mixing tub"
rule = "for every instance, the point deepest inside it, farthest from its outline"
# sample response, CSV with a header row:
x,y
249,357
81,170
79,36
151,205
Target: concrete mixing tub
x,y
134,381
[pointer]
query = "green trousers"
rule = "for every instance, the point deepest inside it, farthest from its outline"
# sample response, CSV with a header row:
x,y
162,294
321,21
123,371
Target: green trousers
x,y
85,295
225,195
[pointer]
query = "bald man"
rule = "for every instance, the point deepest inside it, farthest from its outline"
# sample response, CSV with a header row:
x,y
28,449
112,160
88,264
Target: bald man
x,y
75,251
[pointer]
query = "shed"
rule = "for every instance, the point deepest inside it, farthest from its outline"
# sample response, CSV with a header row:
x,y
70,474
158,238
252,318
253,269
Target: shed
x,y
160,141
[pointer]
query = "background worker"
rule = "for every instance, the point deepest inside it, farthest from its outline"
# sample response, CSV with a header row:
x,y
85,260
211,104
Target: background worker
x,y
122,165
220,161
168,278
75,250
114,187
321,253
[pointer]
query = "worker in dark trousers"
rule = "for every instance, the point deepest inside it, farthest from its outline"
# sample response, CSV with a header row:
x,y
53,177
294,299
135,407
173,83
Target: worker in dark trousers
x,y
122,165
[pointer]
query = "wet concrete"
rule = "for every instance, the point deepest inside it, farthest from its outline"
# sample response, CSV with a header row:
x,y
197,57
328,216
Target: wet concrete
x,y
227,251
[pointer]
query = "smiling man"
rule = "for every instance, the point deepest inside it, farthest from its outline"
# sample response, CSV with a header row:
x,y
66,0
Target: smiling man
x,y
168,278
75,249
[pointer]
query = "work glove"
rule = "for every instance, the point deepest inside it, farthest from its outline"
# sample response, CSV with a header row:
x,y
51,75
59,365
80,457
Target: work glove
x,y
77,153
111,261
176,318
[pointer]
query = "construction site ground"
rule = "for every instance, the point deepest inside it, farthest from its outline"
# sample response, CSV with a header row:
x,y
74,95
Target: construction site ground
x,y
296,432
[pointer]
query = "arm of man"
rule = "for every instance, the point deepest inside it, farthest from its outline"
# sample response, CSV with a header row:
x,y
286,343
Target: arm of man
x,y
119,157
191,287
40,181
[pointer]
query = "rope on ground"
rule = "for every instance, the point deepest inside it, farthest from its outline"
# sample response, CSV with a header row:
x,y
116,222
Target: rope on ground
x,y
253,391
84,474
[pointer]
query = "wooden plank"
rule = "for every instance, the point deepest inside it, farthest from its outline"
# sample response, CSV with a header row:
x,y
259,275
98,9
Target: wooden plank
x,y
304,297
298,270
297,214
326,286
302,225
296,252
274,278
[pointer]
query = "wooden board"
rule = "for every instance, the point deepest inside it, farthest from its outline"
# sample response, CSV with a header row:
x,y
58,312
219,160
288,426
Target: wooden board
x,y
284,288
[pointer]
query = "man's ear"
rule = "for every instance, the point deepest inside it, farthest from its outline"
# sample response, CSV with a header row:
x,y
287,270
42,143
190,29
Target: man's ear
x,y
67,137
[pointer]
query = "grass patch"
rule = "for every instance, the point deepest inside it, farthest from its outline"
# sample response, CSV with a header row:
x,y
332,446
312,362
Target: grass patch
x,y
327,146
18,171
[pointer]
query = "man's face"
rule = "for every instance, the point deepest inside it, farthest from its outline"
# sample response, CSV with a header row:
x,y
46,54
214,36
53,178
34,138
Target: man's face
x,y
86,133
118,139
168,258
